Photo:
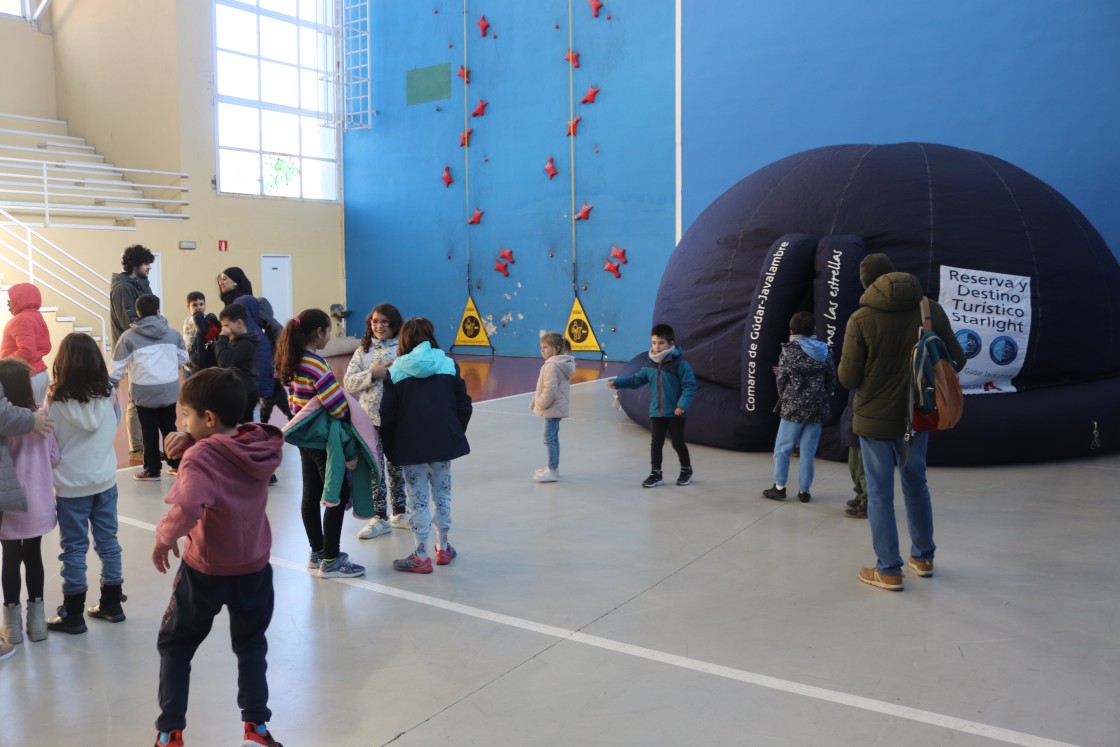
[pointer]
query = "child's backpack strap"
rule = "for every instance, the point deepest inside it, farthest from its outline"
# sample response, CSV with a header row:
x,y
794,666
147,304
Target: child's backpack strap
x,y
927,315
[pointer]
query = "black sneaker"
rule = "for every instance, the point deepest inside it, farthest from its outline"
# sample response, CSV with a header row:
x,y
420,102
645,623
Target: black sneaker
x,y
856,512
653,480
685,477
852,503
804,496
774,493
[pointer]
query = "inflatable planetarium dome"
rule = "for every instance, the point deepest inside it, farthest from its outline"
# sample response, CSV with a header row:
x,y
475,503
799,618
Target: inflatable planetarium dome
x,y
1031,289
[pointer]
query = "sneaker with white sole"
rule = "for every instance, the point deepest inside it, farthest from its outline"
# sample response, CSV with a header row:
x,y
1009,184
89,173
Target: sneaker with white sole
x,y
872,577
400,521
546,475
923,568
375,528
685,476
653,480
314,560
340,567
145,476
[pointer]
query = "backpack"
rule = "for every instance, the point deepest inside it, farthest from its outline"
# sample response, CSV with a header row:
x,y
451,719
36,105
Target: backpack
x,y
935,400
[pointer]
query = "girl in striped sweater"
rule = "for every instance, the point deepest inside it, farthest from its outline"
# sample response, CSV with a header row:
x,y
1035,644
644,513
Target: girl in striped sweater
x,y
307,376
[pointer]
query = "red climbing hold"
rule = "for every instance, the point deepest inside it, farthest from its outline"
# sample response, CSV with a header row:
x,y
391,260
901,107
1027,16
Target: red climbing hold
x,y
507,255
447,176
483,24
465,138
550,169
476,218
572,57
584,212
573,126
612,267
480,110
618,253
595,5
501,267
465,74
589,97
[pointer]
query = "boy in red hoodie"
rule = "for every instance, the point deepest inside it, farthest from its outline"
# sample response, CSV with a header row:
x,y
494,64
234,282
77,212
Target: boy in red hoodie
x,y
218,504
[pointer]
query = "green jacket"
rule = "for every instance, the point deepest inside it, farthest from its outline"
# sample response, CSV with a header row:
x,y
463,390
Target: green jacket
x,y
876,358
343,443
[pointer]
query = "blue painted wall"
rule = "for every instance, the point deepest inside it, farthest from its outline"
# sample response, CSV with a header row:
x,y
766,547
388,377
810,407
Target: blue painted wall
x,y
1034,82
407,238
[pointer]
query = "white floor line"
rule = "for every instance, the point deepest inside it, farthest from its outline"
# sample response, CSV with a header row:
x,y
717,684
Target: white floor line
x,y
752,678
522,394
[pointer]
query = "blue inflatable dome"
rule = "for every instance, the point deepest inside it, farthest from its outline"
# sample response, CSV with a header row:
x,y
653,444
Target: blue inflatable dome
x,y
1030,287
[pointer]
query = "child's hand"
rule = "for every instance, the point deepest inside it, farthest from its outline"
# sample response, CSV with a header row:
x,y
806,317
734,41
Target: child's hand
x,y
610,383
679,411
377,371
43,424
774,369
159,555
176,443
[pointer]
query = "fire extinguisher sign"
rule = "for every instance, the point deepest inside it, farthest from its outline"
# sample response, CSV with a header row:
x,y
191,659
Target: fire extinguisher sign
x,y
223,245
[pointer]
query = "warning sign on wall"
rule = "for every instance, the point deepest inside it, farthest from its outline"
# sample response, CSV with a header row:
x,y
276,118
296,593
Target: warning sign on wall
x,y
471,330
579,332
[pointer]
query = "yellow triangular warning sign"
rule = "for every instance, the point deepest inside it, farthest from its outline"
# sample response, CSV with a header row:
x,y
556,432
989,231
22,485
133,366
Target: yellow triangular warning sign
x,y
471,330
579,332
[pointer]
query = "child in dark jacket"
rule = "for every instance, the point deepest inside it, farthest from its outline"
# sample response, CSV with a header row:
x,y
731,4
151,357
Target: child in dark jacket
x,y
199,331
806,380
236,348
672,386
218,503
425,409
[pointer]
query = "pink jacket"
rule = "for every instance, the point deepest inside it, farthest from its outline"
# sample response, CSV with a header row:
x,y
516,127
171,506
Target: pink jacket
x,y
218,501
26,335
34,456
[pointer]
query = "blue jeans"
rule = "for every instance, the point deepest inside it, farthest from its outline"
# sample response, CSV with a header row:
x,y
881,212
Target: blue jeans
x,y
807,434
75,518
552,441
417,479
880,455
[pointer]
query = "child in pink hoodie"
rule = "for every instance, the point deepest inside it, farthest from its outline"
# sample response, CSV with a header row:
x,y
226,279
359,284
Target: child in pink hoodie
x,y
26,335
218,503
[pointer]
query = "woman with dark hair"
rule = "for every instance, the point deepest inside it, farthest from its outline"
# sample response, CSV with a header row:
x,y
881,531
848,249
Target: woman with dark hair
x,y
232,284
365,377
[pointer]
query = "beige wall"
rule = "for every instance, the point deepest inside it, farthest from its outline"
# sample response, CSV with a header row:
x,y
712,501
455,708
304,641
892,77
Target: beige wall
x,y
27,61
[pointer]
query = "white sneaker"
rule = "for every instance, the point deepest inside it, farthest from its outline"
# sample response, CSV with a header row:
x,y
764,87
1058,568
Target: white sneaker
x,y
400,521
546,475
375,528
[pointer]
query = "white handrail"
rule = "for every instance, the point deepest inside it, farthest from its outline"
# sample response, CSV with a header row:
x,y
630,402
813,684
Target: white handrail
x,y
77,166
31,264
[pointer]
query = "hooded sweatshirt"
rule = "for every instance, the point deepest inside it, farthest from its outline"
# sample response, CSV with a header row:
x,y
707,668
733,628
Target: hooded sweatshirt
x,y
152,353
806,379
425,409
218,501
554,386
265,377
25,335
243,288
34,456
85,433
123,292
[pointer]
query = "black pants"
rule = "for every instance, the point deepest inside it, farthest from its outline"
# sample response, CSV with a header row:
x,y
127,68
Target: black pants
x,y
279,399
196,599
24,553
675,428
250,403
155,424
323,534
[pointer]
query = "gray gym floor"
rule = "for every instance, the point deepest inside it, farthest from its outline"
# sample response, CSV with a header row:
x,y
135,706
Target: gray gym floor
x,y
594,612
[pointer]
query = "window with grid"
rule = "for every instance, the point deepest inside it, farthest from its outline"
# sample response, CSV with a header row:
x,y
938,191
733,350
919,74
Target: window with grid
x,y
273,67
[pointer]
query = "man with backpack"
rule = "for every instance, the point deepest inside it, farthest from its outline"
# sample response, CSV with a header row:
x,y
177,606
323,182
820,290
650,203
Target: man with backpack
x,y
875,361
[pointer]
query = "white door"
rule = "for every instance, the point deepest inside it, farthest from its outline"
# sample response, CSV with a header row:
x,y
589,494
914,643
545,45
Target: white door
x,y
276,284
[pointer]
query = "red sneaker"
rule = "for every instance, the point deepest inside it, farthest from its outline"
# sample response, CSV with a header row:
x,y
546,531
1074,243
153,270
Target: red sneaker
x,y
254,737
413,564
173,738
445,555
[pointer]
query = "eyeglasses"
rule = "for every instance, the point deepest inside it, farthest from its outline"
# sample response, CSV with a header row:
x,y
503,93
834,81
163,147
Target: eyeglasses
x,y
379,322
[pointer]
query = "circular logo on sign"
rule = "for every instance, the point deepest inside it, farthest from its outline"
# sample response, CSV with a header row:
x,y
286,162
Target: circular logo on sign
x,y
578,331
1003,350
471,326
970,343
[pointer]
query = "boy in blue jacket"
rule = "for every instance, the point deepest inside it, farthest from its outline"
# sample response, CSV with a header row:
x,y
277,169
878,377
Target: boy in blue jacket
x,y
672,386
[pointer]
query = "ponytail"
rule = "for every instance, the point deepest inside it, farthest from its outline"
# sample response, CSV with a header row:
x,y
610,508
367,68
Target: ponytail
x,y
297,332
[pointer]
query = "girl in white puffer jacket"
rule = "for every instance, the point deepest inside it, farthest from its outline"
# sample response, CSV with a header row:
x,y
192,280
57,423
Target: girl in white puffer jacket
x,y
551,399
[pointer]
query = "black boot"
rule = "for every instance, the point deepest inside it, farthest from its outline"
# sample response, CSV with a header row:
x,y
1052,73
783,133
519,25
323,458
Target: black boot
x,y
69,618
109,608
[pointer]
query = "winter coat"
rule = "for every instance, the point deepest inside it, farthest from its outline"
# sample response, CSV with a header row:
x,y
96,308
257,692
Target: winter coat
x,y
85,433
425,409
14,421
34,456
218,501
123,292
554,387
199,332
269,325
152,353
806,380
672,384
239,352
26,335
359,379
243,287
350,444
265,376
876,358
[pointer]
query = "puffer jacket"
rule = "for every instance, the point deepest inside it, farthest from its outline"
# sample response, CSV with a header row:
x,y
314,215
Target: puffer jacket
x,y
554,387
152,353
806,380
26,335
358,379
265,377
14,421
672,384
876,357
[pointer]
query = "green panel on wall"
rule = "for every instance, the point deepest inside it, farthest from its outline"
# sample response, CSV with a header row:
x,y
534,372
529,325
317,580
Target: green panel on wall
x,y
428,84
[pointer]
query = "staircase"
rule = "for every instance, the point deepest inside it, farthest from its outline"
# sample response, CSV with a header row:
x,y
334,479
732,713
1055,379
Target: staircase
x,y
50,178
